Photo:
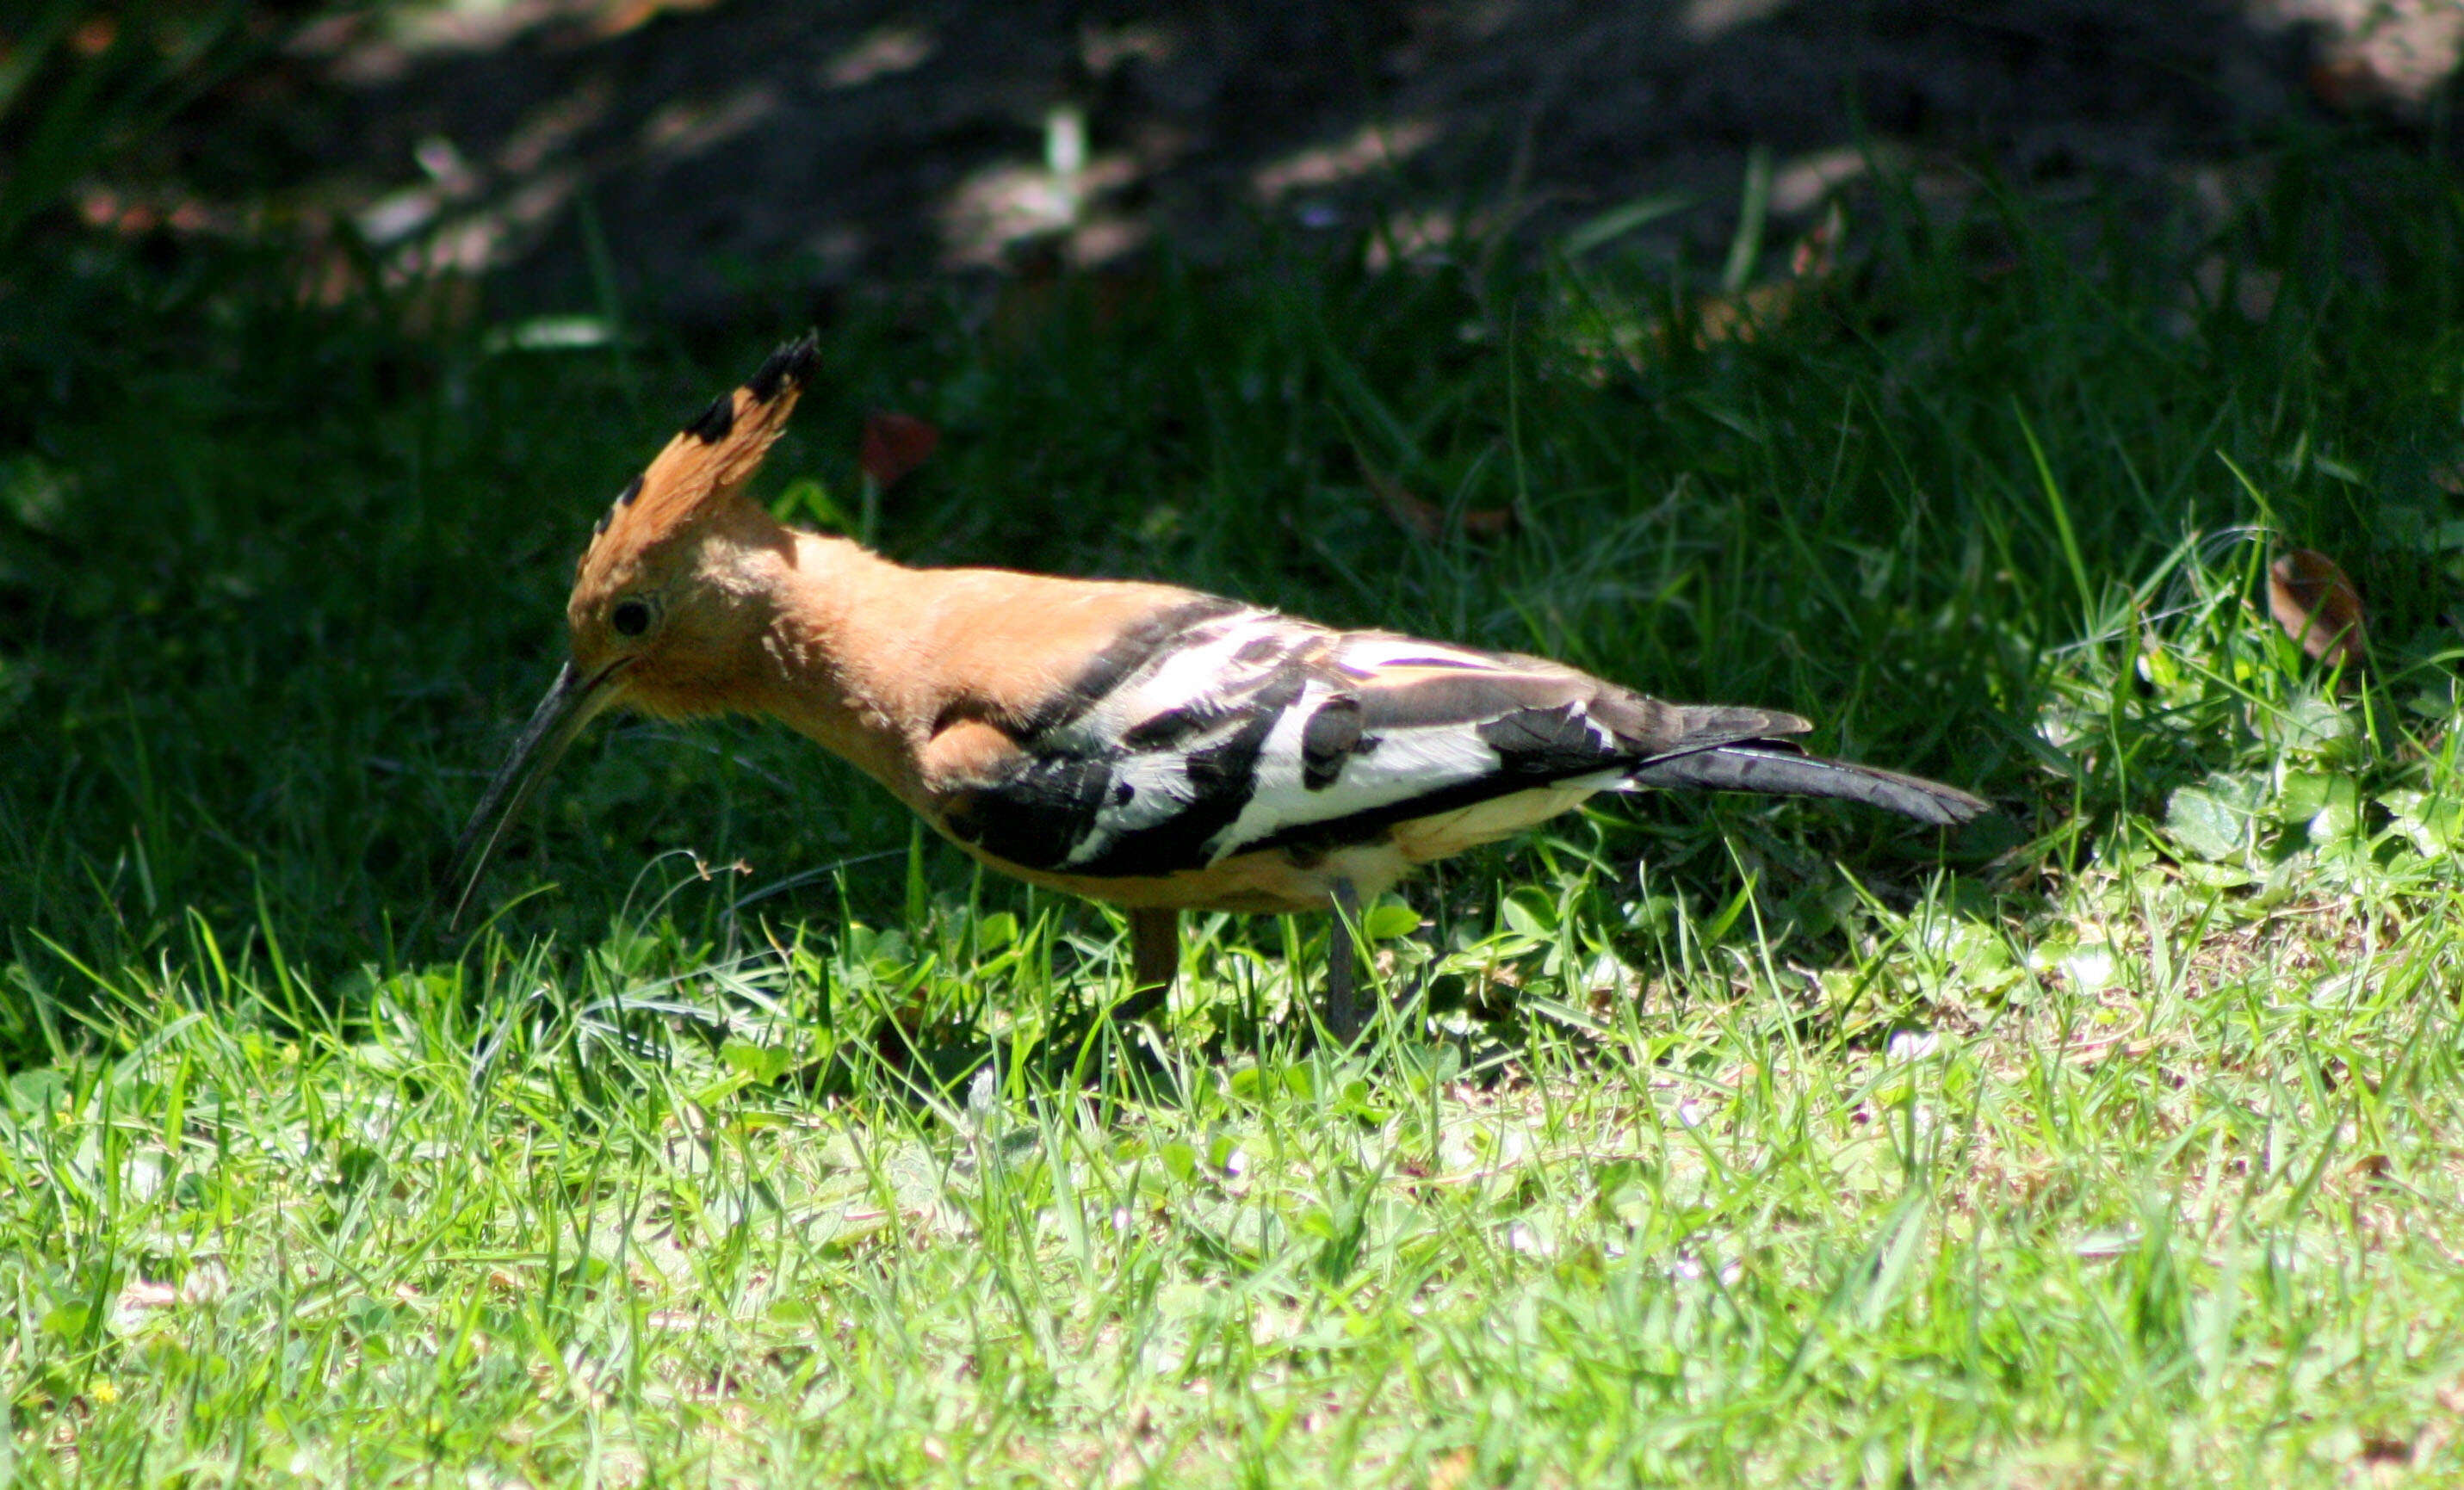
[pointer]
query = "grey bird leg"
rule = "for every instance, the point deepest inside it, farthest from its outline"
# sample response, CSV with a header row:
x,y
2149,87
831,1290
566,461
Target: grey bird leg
x,y
1346,1013
1154,961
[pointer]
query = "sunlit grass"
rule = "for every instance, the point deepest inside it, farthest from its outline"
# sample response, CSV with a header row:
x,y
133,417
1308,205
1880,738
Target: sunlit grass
x,y
2131,1192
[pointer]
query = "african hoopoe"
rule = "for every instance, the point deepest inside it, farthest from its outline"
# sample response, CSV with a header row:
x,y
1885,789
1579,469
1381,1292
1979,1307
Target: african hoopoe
x,y
1139,744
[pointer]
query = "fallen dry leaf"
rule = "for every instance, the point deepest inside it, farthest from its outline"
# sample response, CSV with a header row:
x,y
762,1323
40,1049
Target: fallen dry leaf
x,y
895,445
2317,607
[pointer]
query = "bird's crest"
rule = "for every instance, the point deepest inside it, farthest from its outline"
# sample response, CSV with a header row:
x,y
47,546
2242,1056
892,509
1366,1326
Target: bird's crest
x,y
707,464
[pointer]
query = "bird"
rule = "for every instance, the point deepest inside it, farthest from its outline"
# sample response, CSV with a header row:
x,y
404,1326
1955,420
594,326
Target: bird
x,y
1150,747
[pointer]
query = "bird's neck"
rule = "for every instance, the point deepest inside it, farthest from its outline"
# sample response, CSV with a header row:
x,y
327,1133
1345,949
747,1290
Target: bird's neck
x,y
837,647
875,660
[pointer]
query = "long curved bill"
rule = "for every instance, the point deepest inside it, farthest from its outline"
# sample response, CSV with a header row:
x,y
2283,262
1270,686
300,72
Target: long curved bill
x,y
572,702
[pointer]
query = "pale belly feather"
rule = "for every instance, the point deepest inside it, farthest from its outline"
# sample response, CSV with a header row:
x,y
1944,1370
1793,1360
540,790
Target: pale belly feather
x,y
1277,880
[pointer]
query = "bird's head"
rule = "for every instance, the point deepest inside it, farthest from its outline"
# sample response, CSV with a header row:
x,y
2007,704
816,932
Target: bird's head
x,y
668,604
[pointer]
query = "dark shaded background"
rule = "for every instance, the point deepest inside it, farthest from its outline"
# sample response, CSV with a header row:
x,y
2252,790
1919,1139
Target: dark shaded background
x,y
698,159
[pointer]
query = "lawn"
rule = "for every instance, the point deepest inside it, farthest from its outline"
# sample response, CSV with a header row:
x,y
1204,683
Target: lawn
x,y
751,1137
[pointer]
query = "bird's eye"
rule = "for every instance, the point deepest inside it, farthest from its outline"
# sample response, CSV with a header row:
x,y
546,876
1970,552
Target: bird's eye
x,y
630,617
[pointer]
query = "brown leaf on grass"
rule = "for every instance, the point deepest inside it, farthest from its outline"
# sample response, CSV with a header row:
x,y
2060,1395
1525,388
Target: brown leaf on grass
x,y
895,445
2317,607
1425,518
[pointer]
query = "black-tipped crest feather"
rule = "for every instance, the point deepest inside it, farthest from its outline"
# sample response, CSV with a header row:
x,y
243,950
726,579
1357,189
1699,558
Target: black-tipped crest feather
x,y
715,421
792,365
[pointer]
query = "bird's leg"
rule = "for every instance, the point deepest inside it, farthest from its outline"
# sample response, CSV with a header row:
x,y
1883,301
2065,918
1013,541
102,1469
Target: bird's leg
x,y
1345,1012
1154,961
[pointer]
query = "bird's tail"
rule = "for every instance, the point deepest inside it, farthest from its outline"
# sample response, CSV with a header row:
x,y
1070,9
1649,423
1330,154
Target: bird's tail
x,y
1779,769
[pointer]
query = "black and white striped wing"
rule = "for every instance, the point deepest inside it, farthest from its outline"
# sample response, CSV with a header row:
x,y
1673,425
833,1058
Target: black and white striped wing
x,y
1224,730
1398,729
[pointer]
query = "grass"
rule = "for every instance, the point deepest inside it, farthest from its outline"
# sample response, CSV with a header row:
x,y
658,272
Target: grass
x,y
756,1139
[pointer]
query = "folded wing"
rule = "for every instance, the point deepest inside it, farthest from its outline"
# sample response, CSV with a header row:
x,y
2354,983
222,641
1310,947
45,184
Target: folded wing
x,y
1219,729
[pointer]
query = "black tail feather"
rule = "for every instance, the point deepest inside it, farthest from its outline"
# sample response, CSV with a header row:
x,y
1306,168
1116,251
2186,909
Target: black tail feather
x,y
1780,770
